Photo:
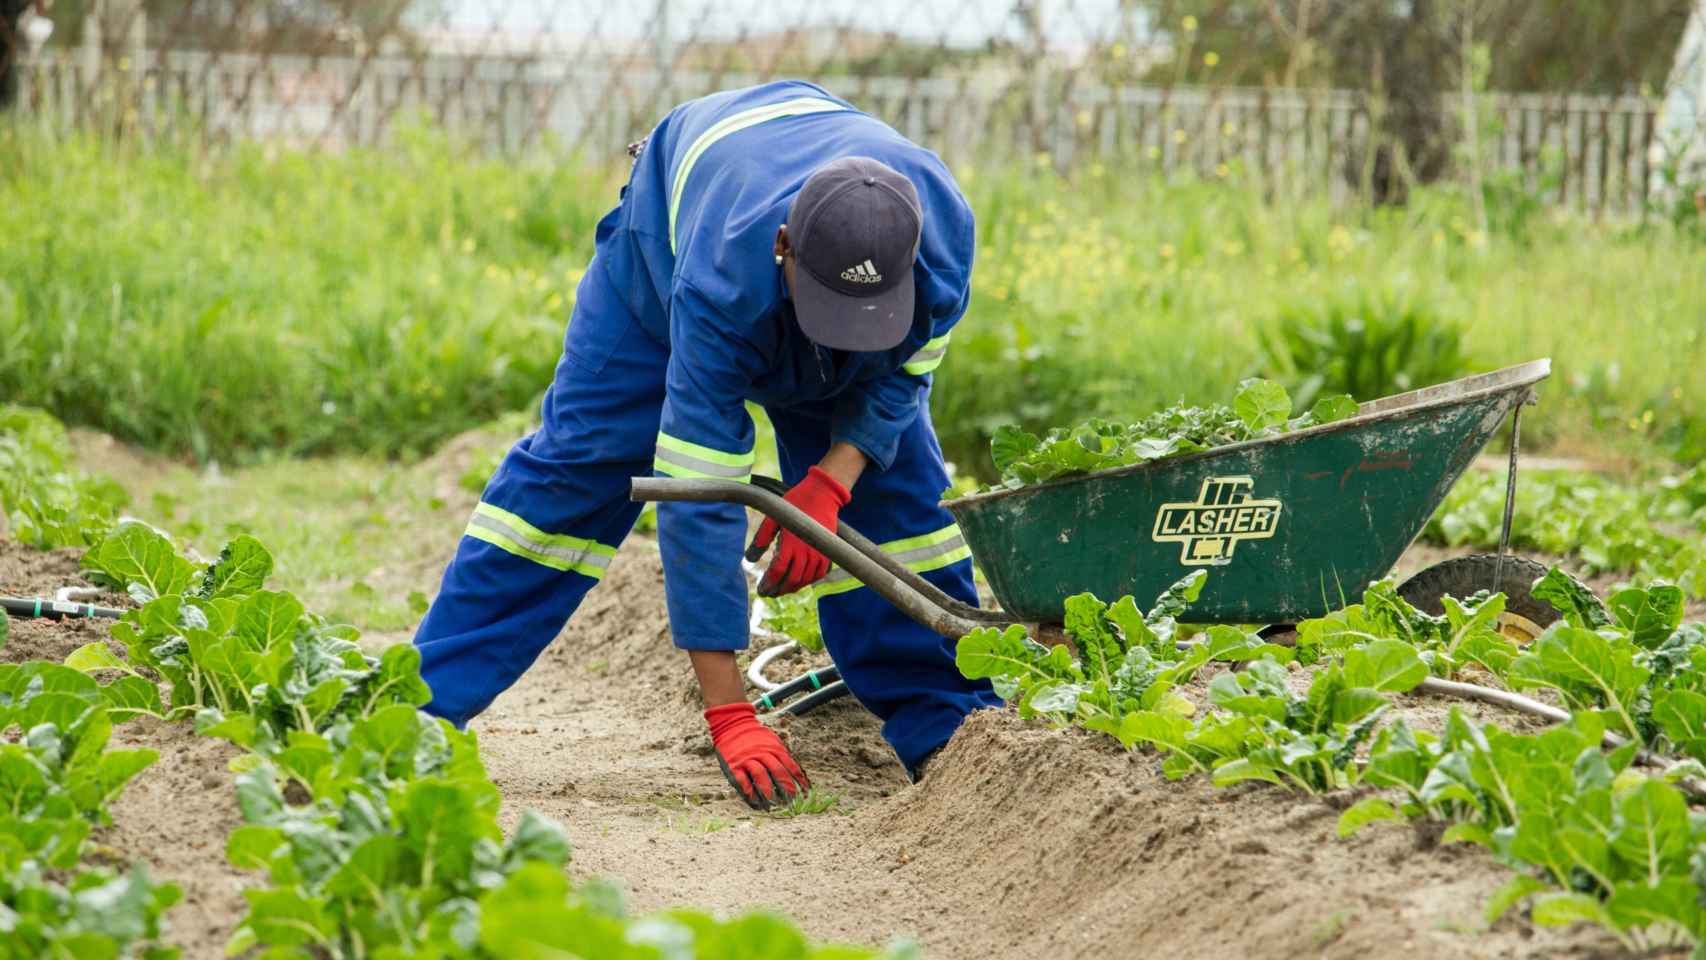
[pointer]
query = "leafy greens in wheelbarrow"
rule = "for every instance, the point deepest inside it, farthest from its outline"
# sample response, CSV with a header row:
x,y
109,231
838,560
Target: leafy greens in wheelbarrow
x,y
1260,409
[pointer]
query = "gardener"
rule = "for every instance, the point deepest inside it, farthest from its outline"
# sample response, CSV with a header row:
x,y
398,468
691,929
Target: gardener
x,y
773,245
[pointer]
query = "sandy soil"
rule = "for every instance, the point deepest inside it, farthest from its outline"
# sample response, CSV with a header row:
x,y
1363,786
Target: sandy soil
x,y
1023,841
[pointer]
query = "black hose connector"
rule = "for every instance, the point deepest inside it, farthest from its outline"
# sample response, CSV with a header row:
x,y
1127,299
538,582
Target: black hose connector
x,y
44,608
813,680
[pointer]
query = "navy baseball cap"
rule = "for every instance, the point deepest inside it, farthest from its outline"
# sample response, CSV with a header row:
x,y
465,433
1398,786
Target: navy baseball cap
x,y
854,228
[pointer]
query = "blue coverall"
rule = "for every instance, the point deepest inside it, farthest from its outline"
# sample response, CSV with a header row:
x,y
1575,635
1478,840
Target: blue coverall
x,y
681,318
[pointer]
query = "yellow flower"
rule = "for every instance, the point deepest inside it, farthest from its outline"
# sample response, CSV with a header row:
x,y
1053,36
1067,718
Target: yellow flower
x,y
1179,136
1190,24
1083,118
1223,171
1167,251
1211,59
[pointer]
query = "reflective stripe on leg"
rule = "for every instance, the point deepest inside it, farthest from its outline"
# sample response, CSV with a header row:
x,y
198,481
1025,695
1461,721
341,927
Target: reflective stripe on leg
x,y
512,534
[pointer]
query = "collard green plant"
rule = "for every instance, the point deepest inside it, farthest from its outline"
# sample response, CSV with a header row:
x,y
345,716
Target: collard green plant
x,y
1260,409
93,914
223,643
1120,660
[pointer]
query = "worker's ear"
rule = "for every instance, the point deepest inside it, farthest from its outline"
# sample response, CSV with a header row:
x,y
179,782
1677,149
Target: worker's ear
x,y
783,247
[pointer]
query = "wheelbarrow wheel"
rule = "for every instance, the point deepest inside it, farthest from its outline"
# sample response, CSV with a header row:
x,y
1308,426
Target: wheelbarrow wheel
x,y
1525,617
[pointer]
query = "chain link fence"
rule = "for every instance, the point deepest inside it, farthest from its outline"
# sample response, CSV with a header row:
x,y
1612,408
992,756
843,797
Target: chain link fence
x,y
1065,83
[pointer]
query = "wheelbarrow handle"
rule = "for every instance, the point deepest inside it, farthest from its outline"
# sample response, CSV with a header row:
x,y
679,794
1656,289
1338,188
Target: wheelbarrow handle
x,y
859,557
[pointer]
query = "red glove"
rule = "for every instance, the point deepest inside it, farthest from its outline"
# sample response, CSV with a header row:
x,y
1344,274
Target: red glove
x,y
753,757
821,497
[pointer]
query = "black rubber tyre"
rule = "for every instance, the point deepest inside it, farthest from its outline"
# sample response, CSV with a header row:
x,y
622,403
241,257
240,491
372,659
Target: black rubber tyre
x,y
1467,576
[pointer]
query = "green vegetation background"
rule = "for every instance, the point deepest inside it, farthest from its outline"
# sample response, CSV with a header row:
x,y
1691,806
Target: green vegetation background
x,y
262,301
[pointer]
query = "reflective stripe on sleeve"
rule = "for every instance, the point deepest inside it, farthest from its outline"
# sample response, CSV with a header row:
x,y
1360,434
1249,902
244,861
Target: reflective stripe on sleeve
x,y
512,534
921,554
928,357
735,124
690,461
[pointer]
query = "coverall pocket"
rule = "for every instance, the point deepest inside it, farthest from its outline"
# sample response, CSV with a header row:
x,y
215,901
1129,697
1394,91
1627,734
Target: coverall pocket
x,y
599,325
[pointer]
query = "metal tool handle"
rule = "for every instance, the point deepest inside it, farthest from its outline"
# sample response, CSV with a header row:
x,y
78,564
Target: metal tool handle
x,y
899,570
862,560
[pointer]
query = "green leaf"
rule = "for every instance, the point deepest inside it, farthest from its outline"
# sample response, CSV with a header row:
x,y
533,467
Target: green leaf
x,y
1572,598
95,656
134,555
131,697
1466,832
537,839
987,652
240,728
1681,714
1567,909
1009,445
243,567
398,678
1655,833
1332,409
252,846
1650,615
267,618
1515,890
441,826
373,868
1262,405
1386,666
1364,812
286,918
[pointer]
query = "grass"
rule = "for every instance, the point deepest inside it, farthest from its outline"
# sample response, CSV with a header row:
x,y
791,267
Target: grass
x,y
270,300
808,804
264,302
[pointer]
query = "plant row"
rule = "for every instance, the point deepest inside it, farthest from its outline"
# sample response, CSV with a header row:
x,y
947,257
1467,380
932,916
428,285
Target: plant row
x,y
1592,837
374,828
57,774
45,502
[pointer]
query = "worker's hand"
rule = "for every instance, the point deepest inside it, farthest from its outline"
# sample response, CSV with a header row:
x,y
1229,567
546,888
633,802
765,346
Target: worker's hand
x,y
821,497
753,757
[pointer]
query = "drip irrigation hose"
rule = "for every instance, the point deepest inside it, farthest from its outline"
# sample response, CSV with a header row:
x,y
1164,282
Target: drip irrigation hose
x,y
833,691
48,609
816,681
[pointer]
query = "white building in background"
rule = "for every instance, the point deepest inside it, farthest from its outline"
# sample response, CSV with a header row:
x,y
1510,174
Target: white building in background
x,y
1682,123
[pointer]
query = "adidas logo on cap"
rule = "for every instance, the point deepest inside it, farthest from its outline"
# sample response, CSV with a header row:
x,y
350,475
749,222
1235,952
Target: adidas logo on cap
x,y
862,273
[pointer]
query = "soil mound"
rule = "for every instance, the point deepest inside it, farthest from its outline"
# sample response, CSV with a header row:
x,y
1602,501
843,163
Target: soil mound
x,y
1060,844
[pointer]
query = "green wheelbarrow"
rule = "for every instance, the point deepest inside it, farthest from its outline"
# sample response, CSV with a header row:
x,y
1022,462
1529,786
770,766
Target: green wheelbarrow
x,y
1291,527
